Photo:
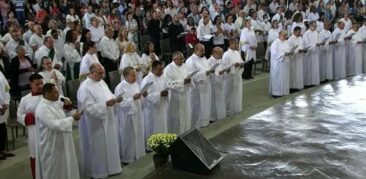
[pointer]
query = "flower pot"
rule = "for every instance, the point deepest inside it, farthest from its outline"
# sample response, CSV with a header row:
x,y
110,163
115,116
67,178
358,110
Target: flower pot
x,y
160,160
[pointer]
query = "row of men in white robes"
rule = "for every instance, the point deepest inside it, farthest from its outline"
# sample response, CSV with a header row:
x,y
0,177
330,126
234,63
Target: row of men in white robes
x,y
314,57
114,127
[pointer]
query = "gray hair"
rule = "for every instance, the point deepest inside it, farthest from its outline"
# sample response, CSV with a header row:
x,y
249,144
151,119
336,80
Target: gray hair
x,y
177,54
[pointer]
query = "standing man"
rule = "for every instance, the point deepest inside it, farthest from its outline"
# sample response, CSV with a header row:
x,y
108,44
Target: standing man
x,y
4,115
47,49
109,49
311,63
279,84
233,83
297,61
339,51
200,92
156,109
130,117
248,43
326,54
36,40
218,110
98,135
179,112
56,157
26,115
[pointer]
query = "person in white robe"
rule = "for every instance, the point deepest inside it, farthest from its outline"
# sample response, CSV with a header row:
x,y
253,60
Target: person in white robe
x,y
179,111
200,91
55,151
233,64
130,117
36,40
355,57
363,32
51,75
97,126
326,54
311,62
156,103
272,36
48,49
248,43
296,61
26,115
96,31
89,58
4,116
279,82
339,52
218,108
131,58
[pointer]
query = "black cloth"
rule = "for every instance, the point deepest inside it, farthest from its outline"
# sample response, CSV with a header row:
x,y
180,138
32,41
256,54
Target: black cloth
x,y
177,43
153,29
3,136
14,76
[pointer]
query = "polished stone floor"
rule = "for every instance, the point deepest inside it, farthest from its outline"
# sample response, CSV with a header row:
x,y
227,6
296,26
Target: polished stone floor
x,y
318,134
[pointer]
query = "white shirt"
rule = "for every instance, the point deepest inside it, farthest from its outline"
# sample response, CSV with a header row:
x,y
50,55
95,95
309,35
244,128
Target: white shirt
x,y
86,62
44,51
202,31
109,48
71,54
36,40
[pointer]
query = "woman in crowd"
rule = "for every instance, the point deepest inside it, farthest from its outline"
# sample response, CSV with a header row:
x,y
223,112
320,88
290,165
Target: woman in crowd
x,y
72,55
51,75
20,70
132,59
148,57
122,39
132,27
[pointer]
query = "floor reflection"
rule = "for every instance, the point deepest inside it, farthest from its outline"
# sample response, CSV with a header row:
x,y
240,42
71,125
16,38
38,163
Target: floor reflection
x,y
317,135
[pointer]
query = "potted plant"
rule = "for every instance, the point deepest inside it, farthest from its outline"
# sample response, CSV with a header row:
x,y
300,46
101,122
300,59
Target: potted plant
x,y
160,144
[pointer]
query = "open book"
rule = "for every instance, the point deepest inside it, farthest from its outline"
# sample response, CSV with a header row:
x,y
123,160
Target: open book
x,y
294,48
207,37
192,74
350,35
215,66
324,40
337,36
146,87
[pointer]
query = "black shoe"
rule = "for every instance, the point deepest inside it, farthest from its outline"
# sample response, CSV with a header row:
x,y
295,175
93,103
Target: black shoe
x,y
251,77
292,90
2,157
274,96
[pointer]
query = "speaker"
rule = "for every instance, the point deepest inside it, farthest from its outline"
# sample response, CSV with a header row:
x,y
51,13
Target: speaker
x,y
192,152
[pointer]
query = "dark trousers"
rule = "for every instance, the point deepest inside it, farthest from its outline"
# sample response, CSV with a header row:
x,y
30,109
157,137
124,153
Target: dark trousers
x,y
248,67
3,136
208,47
109,65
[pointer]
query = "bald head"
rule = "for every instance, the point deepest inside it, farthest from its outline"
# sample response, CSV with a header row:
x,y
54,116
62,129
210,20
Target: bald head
x,y
199,50
96,72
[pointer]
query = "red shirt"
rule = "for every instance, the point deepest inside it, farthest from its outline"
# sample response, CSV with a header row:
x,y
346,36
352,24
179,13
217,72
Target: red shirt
x,y
191,39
